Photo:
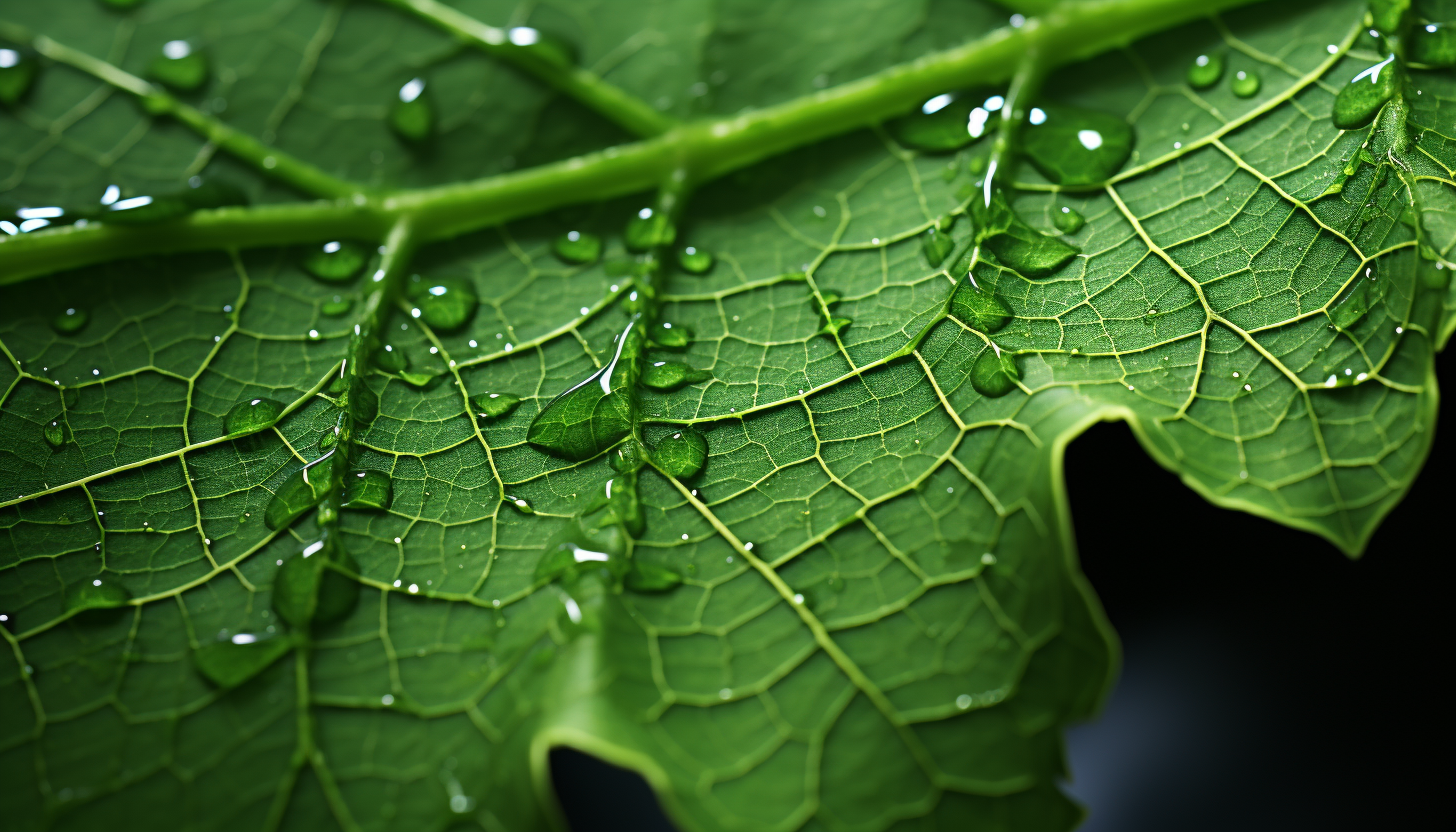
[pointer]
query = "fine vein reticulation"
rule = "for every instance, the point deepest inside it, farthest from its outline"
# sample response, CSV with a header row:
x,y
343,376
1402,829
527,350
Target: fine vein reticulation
x,y
284,534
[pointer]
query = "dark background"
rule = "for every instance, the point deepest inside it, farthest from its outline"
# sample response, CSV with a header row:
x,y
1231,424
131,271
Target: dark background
x,y
1268,681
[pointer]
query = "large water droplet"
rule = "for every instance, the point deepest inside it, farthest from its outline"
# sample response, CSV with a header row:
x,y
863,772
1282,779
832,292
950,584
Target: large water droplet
x,y
494,405
1068,220
308,588
670,375
1072,146
979,308
649,577
1360,99
368,490
1016,244
695,260
948,121
1433,44
70,320
682,454
936,245
251,416
96,594
592,415
391,359
577,247
1205,70
181,66
17,73
649,229
545,46
412,116
994,374
1357,299
300,492
580,549
57,433
672,336
336,261
229,662
1245,83
445,305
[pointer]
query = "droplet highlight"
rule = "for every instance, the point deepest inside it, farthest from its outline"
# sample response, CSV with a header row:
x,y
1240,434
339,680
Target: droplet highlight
x,y
251,415
445,305
336,261
181,66
577,247
1205,70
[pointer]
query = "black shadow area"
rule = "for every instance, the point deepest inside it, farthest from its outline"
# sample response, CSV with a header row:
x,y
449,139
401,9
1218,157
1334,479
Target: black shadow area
x,y
597,796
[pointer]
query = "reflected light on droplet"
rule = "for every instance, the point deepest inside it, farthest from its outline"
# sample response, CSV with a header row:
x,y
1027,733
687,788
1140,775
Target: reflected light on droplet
x,y
937,103
411,90
1090,139
176,49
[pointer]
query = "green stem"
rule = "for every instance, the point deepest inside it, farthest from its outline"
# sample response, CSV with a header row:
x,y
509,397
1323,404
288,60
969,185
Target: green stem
x,y
707,150
270,161
628,111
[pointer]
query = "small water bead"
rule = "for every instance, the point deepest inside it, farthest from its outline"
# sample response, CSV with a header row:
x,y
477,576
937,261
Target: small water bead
x,y
695,260
57,433
96,594
413,115
936,245
577,247
300,491
445,305
1245,83
649,577
251,415
368,490
948,121
180,66
336,306
229,662
494,405
336,261
979,307
17,73
671,336
391,359
670,375
649,229
1361,99
1068,220
682,454
1072,146
1433,44
1205,70
70,320
994,373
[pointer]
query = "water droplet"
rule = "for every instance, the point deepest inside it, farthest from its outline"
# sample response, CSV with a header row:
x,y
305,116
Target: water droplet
x,y
70,320
229,662
336,306
336,261
1205,70
1245,83
310,588
994,374
391,359
578,247
695,260
1016,244
299,492
413,115
140,210
948,121
1357,299
672,336
670,375
328,439
682,454
592,415
626,457
520,504
1360,99
1072,146
494,405
543,45
978,307
17,73
1433,44
445,304
1068,220
251,416
180,66
649,577
936,246
96,594
367,490
649,229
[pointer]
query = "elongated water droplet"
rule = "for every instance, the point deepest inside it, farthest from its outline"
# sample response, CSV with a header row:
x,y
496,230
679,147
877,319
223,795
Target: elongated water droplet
x,y
368,490
936,245
336,306
96,594
300,492
70,320
445,305
308,588
180,66
335,261
1068,220
1205,70
649,229
57,433
1433,44
979,308
1360,99
520,504
1072,146
1016,244
672,336
578,247
1245,83
579,548
649,577
682,454
592,415
948,121
142,210
391,359
229,662
420,380
1357,299
18,69
494,405
545,46
412,116
695,260
994,374
670,375
328,439
251,416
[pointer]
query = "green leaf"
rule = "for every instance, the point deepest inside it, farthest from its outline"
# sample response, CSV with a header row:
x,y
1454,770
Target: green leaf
x,y
695,399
